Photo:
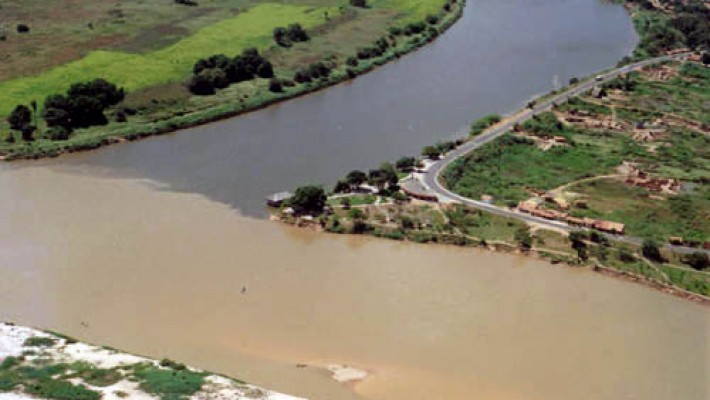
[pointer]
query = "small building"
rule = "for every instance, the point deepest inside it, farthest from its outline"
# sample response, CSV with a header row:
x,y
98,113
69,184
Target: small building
x,y
610,227
278,199
676,240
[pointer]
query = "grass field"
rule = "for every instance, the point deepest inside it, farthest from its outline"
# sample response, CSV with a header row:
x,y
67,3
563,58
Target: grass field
x,y
173,63
506,168
149,49
686,215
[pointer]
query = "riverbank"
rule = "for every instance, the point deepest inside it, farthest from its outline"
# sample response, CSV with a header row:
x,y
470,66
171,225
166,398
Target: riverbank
x,y
231,102
36,364
454,225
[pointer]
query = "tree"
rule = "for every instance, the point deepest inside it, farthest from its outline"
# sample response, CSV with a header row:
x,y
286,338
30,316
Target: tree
x,y
524,238
265,70
105,92
706,58
406,163
431,152
698,260
20,117
356,178
342,186
651,251
201,84
378,178
308,200
577,238
358,3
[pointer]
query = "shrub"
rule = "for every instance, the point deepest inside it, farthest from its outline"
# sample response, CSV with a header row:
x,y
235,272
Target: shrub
x,y
406,163
275,85
626,256
651,251
58,133
358,3
23,28
431,152
39,341
201,85
285,37
432,19
698,260
20,117
484,123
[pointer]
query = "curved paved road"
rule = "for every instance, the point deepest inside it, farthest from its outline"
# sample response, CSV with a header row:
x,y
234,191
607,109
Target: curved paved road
x,y
431,178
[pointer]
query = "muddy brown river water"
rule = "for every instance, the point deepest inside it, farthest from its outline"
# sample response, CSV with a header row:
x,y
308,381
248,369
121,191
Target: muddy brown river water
x,y
117,262
148,247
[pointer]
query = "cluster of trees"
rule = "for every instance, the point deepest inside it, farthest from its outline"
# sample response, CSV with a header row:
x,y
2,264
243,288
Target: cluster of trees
x,y
377,49
82,106
435,151
688,27
308,199
312,72
484,123
286,37
220,71
383,177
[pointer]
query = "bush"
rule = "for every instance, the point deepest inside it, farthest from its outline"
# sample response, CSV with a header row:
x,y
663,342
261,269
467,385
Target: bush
x,y
23,28
358,3
201,85
406,163
285,37
83,105
58,133
626,256
698,260
275,85
20,117
39,341
651,251
431,153
432,19
484,123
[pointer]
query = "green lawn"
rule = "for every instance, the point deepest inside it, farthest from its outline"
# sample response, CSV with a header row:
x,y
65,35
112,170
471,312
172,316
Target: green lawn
x,y
415,9
252,28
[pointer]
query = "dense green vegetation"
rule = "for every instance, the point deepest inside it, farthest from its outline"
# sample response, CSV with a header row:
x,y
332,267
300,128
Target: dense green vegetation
x,y
484,123
159,98
507,167
684,24
168,384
